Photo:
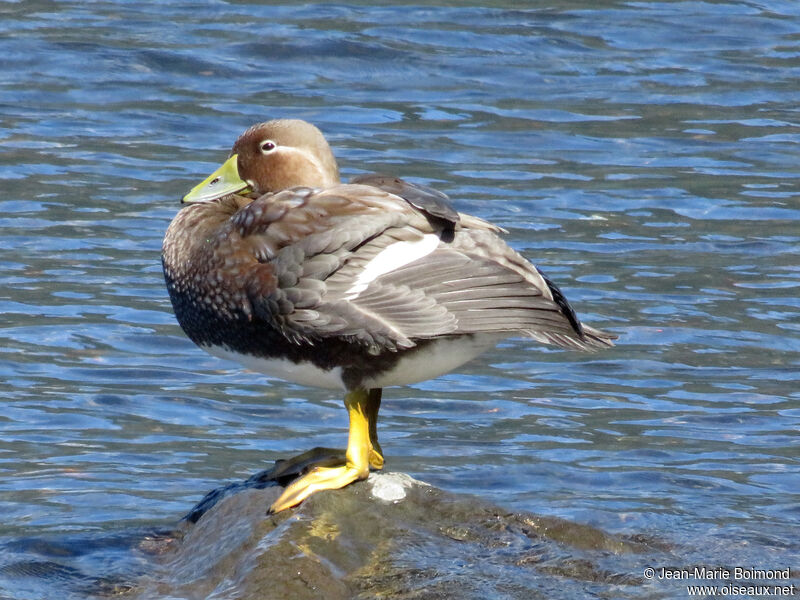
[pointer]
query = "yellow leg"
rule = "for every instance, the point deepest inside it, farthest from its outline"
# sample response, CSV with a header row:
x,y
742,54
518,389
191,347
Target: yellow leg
x,y
333,478
375,452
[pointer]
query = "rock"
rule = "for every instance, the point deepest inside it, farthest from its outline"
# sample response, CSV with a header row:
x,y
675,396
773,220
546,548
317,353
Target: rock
x,y
388,536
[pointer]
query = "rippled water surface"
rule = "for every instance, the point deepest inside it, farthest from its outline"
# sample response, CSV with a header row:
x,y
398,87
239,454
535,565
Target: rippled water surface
x,y
644,154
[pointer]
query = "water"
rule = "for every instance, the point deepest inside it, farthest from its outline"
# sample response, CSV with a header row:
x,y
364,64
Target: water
x,y
643,154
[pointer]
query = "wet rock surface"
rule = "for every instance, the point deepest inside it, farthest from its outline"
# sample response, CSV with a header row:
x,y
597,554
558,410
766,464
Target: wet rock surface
x,y
387,537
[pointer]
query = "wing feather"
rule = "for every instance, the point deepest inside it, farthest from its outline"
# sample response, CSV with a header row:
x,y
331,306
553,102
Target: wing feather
x,y
319,244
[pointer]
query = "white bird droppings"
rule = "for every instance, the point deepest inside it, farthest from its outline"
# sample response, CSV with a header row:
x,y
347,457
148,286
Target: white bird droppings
x,y
391,487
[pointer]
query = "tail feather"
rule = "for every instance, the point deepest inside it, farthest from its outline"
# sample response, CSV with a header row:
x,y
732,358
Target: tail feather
x,y
590,340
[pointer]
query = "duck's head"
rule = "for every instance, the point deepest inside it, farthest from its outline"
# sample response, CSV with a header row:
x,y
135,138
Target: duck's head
x,y
270,157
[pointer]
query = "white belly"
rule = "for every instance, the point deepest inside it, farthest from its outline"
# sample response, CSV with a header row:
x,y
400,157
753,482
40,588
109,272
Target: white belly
x,y
438,358
303,373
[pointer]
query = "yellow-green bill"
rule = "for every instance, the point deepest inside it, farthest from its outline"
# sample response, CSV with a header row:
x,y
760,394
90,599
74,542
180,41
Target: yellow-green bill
x,y
221,182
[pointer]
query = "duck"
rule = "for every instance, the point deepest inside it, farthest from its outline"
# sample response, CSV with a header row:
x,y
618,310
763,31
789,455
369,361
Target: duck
x,y
273,262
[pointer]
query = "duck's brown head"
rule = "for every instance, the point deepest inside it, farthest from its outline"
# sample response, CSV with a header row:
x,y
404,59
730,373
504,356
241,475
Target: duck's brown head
x,y
270,157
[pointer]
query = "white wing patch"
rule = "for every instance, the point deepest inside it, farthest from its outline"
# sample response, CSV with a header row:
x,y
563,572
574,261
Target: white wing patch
x,y
390,258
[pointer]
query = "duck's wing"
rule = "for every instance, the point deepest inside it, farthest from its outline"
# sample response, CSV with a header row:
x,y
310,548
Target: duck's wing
x,y
429,201
474,283
358,262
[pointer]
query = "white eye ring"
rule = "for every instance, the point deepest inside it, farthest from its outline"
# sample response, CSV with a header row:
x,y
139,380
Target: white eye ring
x,y
267,146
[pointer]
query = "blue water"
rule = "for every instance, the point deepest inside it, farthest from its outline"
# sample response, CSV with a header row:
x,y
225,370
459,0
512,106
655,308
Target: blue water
x,y
644,154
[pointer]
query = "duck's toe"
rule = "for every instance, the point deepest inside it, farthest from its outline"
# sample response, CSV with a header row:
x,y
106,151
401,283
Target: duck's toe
x,y
320,478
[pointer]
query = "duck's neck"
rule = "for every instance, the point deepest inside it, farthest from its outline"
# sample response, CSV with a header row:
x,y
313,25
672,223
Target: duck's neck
x,y
194,228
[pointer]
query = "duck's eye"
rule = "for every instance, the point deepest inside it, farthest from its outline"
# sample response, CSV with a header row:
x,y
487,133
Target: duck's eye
x,y
267,146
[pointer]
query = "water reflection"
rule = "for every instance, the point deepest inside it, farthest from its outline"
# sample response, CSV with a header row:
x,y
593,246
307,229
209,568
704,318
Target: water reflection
x,y
643,155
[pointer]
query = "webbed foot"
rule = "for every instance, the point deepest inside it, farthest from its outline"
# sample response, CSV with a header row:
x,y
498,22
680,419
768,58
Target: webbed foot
x,y
363,452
